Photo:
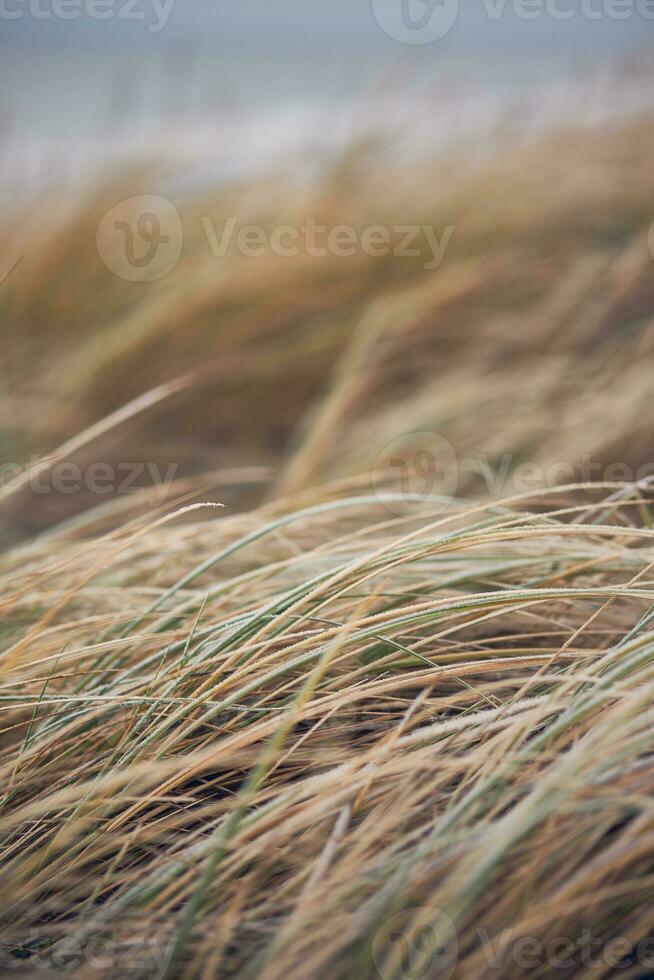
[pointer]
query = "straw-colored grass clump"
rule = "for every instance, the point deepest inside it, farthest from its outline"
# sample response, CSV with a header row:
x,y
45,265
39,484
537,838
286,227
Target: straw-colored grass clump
x,y
242,747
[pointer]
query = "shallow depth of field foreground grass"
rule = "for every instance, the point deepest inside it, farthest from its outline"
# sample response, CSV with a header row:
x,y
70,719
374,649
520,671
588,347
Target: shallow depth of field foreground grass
x,y
316,740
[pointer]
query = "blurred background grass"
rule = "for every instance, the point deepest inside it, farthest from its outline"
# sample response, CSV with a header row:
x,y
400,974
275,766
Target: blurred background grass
x,y
531,140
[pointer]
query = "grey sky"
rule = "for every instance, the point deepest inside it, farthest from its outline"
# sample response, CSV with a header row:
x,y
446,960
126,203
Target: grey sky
x,y
337,25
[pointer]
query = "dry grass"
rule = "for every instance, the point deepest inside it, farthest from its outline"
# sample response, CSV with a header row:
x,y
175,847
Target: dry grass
x,y
342,732
255,740
532,338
